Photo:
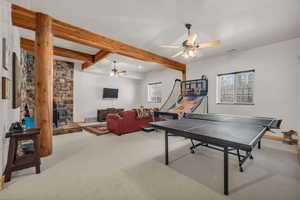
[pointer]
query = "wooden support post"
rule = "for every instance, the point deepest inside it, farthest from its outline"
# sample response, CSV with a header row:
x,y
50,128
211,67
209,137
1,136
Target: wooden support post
x,y
184,75
44,81
2,182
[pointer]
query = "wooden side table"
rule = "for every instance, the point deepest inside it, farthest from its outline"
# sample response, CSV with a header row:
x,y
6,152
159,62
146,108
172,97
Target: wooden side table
x,y
29,159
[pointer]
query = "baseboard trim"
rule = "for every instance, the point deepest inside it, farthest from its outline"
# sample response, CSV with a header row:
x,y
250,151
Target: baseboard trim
x,y
271,137
2,182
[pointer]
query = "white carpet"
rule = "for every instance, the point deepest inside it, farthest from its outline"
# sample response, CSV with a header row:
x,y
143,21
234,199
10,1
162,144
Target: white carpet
x,y
85,166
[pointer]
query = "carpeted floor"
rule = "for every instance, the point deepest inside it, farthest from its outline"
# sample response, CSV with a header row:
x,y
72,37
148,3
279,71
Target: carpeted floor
x,y
85,166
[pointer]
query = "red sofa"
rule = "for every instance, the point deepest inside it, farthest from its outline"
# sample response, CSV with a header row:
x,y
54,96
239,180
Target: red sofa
x,y
126,122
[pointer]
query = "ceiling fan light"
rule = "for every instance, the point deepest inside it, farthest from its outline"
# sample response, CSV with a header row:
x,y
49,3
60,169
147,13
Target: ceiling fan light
x,y
185,55
191,53
111,74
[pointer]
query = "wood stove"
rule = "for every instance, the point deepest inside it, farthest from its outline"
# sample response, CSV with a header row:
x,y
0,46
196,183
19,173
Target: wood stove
x,y
60,115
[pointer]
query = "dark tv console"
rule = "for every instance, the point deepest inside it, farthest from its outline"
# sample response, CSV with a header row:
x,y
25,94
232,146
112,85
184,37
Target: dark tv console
x,y
102,113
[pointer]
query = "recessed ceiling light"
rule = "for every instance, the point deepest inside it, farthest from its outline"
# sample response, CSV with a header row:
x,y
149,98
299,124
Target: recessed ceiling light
x,y
140,67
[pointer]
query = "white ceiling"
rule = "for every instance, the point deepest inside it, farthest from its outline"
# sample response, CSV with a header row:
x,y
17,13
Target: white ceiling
x,y
147,24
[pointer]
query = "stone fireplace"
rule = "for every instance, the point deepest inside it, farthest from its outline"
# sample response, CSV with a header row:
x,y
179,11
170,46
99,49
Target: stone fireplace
x,y
62,87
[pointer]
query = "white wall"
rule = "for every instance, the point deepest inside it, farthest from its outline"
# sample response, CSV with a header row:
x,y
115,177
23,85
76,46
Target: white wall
x,y
88,89
276,80
7,114
167,77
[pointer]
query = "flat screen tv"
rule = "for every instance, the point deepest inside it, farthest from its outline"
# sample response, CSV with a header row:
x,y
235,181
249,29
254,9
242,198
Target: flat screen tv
x,y
110,93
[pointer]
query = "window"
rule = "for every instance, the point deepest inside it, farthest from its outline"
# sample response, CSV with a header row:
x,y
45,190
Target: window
x,y
236,87
154,92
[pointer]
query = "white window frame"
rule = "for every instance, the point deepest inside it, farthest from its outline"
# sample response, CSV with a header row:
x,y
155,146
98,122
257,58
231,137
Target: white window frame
x,y
234,102
157,99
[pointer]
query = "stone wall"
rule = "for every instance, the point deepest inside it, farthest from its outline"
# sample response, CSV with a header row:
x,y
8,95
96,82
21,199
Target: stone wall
x,y
62,85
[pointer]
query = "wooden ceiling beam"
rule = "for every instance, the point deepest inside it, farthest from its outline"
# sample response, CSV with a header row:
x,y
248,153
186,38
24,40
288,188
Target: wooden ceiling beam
x,y
59,51
97,57
101,55
25,18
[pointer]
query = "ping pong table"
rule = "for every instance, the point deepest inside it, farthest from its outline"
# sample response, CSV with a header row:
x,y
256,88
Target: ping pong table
x,y
231,134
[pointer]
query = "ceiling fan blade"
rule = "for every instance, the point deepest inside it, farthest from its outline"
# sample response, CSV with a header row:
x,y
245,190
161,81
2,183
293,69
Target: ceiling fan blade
x,y
177,54
171,46
192,38
208,44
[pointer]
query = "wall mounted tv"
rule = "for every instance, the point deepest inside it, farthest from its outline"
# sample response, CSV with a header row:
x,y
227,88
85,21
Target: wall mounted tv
x,y
110,93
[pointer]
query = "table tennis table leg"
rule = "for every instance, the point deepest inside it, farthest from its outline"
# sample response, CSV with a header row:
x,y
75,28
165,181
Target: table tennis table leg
x,y
226,170
166,148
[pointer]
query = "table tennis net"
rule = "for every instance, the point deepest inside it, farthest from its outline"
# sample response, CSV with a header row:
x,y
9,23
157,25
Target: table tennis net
x,y
249,120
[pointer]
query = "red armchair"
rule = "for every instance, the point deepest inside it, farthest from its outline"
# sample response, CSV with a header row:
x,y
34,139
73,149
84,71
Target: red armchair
x,y
126,122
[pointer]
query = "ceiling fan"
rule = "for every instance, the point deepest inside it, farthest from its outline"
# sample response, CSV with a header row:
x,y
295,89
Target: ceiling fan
x,y
189,46
116,72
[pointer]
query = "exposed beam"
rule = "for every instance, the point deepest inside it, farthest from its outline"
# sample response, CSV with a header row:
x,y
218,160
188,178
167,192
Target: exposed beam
x,y
59,51
99,56
82,36
25,18
86,65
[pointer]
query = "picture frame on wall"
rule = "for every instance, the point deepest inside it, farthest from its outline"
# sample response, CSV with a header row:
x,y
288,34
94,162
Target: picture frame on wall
x,y
17,81
4,54
6,88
